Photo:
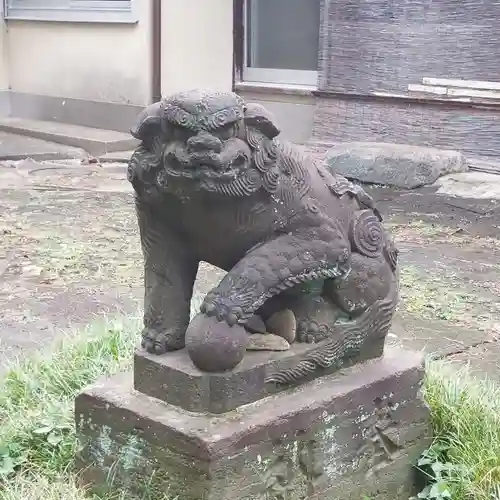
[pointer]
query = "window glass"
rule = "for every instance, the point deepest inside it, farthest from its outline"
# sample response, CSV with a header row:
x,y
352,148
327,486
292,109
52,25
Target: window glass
x,y
282,34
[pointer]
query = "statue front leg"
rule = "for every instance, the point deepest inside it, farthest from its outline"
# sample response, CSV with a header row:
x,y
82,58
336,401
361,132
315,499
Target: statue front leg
x,y
307,254
169,276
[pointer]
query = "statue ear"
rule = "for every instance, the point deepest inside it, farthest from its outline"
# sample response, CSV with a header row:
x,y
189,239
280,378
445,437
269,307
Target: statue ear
x,y
149,123
260,118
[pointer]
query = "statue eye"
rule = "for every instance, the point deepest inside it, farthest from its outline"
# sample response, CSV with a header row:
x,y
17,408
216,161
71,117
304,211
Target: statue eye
x,y
226,132
181,133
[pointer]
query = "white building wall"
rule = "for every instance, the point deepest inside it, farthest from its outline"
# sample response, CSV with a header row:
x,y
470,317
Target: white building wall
x,y
99,62
112,62
197,45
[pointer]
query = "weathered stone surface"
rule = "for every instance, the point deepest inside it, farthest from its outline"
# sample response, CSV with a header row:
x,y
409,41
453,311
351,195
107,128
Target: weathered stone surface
x,y
93,140
224,188
396,165
214,346
17,147
174,379
343,436
475,185
255,324
284,324
267,342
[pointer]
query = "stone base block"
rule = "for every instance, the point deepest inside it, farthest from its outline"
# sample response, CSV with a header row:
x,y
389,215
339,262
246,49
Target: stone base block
x,y
174,379
350,435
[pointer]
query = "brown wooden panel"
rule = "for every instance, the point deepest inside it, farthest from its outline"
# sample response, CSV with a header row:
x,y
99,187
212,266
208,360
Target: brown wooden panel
x,y
369,46
472,130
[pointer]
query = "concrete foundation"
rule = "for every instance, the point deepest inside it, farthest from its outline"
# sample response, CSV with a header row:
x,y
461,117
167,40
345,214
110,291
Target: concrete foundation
x,y
349,435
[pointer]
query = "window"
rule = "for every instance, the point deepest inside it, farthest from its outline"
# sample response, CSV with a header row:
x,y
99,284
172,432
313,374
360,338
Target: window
x,y
281,44
107,11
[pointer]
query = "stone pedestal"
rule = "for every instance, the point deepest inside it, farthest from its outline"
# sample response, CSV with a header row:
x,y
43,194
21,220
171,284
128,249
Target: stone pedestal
x,y
351,434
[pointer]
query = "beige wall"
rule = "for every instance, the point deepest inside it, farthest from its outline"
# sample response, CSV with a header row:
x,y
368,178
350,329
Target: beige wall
x,y
100,62
293,113
197,44
104,62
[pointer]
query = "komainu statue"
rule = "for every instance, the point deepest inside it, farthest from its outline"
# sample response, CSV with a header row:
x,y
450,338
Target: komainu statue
x,y
214,182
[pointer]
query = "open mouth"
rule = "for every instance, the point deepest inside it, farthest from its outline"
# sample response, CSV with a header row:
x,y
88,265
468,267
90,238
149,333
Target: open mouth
x,y
203,166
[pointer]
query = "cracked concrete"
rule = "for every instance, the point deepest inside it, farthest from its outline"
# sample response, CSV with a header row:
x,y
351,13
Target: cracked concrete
x,y
482,359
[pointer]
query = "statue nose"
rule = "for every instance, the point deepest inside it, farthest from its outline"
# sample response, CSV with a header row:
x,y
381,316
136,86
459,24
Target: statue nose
x,y
204,142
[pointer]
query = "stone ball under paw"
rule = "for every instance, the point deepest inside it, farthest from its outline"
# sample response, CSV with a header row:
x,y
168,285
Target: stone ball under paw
x,y
213,345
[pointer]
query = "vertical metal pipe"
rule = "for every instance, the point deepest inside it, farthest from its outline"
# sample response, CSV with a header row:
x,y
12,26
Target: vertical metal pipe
x,y
156,50
238,40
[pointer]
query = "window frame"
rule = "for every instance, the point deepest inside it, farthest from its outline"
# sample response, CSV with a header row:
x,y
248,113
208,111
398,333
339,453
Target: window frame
x,y
80,11
285,77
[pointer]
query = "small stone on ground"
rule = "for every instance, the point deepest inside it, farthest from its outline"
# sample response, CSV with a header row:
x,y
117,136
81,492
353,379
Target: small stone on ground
x,y
267,342
283,324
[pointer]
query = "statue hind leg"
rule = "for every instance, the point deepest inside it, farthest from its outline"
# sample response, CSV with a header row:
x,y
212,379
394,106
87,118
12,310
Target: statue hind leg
x,y
342,298
368,296
316,318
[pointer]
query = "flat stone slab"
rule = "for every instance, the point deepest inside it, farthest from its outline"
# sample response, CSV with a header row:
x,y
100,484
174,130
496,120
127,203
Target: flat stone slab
x,y
116,157
351,435
18,147
64,174
173,378
476,185
396,165
93,140
421,335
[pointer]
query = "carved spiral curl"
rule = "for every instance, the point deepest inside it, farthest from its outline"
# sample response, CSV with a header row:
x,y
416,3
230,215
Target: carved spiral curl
x,y
271,180
367,234
221,118
254,137
178,116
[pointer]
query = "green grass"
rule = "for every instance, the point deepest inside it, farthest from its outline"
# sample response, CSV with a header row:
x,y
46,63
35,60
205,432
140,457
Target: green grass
x,y
463,463
38,440
37,434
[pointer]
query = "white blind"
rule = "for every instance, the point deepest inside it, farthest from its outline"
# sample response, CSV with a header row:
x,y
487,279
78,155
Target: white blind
x,y
69,4
73,10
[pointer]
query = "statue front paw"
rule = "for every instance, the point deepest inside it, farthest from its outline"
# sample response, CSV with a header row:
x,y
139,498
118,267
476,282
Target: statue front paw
x,y
222,309
162,341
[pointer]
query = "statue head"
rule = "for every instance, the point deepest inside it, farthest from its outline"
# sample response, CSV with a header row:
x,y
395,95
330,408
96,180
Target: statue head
x,y
211,140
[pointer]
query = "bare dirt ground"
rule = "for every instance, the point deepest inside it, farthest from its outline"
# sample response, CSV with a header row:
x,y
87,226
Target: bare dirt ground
x,y
69,252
